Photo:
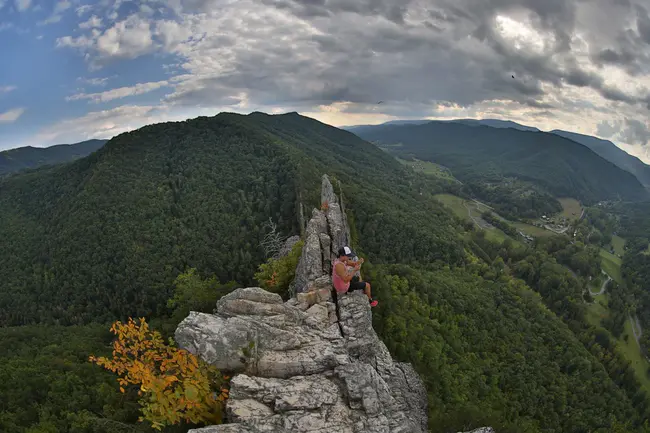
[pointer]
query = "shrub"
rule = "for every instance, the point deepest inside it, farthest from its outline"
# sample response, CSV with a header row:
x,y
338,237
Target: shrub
x,y
276,275
174,384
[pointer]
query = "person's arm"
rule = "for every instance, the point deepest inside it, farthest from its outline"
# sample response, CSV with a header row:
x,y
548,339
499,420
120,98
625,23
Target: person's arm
x,y
341,271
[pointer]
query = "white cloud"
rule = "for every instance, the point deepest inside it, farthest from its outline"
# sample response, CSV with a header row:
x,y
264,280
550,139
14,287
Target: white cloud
x,y
23,5
83,42
94,81
91,23
119,93
109,123
83,9
12,115
57,14
50,20
127,39
62,5
7,89
6,26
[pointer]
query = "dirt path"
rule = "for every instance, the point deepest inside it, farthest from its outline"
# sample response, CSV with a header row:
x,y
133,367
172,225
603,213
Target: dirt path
x,y
602,288
476,221
637,332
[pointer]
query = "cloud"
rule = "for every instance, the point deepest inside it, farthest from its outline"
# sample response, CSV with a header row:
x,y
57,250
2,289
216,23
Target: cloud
x,y
119,93
635,132
126,39
564,64
608,129
23,5
56,16
12,115
84,9
109,123
7,89
94,81
91,23
83,42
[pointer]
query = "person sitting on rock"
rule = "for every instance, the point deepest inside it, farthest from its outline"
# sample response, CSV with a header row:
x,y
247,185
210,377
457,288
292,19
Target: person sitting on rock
x,y
343,274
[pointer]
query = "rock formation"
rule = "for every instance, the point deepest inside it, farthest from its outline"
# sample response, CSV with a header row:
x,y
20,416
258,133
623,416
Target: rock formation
x,y
313,363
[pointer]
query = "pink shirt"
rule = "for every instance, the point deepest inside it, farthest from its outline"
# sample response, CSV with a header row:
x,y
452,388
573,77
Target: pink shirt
x,y
340,285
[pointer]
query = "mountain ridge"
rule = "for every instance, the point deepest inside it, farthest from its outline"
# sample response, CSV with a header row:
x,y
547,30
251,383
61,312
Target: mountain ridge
x,y
559,164
30,157
612,153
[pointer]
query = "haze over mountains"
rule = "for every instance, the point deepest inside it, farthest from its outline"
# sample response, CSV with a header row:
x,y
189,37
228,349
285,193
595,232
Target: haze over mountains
x,y
21,158
561,166
604,148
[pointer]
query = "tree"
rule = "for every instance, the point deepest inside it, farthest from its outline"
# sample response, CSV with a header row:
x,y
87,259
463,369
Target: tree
x,y
193,293
174,384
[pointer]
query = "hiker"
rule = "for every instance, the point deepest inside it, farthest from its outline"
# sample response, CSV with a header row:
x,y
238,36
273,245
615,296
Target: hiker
x,y
343,274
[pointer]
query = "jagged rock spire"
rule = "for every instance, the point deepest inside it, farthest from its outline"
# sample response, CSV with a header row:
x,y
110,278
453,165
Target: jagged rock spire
x,y
326,232
312,364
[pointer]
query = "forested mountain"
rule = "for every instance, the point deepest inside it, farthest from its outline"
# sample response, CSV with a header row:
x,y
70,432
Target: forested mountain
x,y
612,153
495,123
31,157
559,165
496,330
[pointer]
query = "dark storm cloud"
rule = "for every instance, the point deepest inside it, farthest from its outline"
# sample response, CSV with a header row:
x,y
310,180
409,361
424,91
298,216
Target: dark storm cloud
x,y
417,53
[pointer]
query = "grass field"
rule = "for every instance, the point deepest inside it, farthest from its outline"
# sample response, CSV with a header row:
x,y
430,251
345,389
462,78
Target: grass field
x,y
630,349
429,168
532,230
618,243
457,205
454,203
612,265
597,311
571,208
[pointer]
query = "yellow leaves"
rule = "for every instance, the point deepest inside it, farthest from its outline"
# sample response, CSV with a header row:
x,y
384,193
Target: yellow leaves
x,y
176,385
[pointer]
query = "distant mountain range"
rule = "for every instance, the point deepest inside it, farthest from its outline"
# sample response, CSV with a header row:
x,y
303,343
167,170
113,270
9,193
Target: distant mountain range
x,y
486,153
21,158
604,148
494,123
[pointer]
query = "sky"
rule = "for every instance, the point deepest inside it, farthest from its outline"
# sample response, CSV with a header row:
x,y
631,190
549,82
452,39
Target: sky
x,y
71,70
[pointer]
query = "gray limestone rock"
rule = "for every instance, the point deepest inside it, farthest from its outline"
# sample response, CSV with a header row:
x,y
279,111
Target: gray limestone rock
x,y
327,194
310,365
310,265
288,246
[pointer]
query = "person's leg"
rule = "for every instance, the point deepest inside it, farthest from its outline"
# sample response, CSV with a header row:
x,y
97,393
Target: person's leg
x,y
367,291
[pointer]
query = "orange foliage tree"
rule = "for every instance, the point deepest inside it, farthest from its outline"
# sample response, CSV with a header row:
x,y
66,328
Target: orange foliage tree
x,y
174,384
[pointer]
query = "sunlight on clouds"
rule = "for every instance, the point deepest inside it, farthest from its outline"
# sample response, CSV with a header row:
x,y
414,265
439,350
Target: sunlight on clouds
x,y
11,115
522,36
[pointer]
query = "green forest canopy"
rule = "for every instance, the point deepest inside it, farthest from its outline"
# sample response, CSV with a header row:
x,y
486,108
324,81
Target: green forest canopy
x,y
105,237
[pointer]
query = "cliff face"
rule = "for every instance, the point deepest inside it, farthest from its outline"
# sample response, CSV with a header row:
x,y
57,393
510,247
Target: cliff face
x,y
312,364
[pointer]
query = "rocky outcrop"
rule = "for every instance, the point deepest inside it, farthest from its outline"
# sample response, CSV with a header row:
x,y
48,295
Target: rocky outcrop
x,y
311,364
326,232
301,367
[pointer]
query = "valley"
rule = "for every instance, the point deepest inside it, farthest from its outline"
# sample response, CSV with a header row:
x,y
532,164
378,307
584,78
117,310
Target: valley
x,y
476,288
628,343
